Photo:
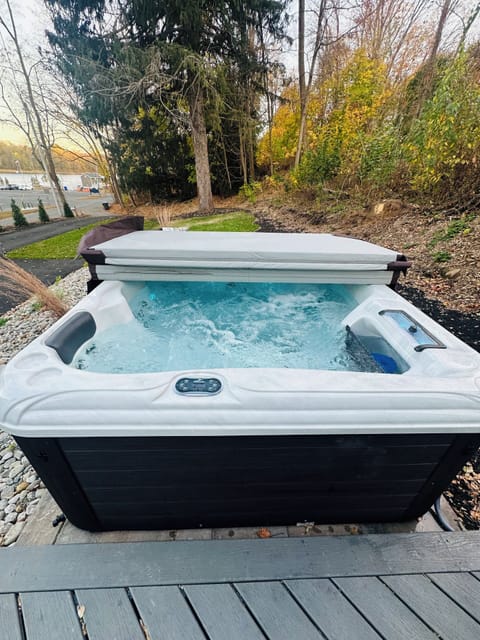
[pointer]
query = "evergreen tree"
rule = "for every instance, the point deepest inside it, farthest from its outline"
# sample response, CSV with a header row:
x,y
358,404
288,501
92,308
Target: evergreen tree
x,y
42,213
19,219
170,51
67,211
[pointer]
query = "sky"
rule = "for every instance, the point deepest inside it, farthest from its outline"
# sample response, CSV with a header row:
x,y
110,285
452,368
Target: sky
x,y
32,21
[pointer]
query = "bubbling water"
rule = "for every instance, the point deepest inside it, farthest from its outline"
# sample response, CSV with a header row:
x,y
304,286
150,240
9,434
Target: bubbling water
x,y
212,325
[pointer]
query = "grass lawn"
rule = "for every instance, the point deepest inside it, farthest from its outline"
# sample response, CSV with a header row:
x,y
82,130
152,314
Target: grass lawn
x,y
65,245
235,221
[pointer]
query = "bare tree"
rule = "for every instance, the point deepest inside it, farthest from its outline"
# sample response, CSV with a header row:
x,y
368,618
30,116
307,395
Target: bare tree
x,y
447,8
23,79
90,141
394,31
468,25
329,29
304,84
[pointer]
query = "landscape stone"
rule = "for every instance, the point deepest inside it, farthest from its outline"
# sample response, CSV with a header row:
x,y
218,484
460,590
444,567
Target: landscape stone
x,y
8,492
12,535
16,470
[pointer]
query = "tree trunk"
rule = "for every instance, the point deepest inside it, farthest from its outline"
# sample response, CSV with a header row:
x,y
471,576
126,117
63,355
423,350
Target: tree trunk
x,y
429,68
52,173
117,194
243,159
200,147
301,80
304,85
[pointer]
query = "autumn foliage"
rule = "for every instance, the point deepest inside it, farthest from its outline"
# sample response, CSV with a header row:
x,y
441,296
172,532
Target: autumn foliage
x,y
374,127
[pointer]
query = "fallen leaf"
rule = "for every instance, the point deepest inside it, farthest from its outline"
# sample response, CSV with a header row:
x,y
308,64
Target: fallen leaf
x,y
264,533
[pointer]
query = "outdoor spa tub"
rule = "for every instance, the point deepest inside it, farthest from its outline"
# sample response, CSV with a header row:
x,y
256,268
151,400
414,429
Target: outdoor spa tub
x,y
219,379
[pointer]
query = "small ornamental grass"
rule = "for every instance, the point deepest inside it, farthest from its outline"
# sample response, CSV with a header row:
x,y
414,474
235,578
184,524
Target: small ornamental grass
x,y
16,282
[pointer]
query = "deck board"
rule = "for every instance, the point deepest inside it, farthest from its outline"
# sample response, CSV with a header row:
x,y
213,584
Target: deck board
x,y
197,562
332,612
40,624
166,613
219,609
434,607
277,612
461,587
422,586
385,611
9,616
109,614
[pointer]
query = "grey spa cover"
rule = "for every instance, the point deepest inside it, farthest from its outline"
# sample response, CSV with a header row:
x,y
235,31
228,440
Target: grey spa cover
x,y
270,257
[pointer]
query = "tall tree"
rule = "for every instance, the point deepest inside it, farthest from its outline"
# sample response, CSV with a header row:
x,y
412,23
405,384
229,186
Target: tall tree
x,y
28,90
428,72
305,86
163,48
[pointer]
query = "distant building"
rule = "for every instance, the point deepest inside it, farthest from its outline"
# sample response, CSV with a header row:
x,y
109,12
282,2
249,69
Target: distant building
x,y
94,180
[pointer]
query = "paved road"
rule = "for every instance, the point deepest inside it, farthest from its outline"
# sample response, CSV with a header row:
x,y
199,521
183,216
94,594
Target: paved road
x,y
82,203
26,235
46,270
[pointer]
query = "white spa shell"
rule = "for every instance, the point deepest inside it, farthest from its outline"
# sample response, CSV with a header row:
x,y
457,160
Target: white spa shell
x,y
439,392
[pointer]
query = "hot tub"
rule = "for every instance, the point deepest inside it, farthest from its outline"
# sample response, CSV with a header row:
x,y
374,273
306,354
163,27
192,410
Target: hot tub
x,y
285,433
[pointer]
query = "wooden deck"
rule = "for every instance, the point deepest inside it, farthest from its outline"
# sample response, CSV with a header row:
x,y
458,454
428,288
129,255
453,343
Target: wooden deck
x,y
397,586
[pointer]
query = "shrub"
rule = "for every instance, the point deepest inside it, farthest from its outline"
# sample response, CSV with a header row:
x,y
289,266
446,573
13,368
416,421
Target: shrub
x,y
42,214
250,191
19,219
67,211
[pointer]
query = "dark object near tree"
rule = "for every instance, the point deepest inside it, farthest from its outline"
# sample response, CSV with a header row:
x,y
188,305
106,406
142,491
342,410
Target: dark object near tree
x,y
67,211
102,233
42,213
106,205
19,219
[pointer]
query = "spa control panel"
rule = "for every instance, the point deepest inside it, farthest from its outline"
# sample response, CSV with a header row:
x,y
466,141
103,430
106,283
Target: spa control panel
x,y
198,386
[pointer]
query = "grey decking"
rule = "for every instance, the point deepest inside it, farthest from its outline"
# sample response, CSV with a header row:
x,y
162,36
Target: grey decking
x,y
406,586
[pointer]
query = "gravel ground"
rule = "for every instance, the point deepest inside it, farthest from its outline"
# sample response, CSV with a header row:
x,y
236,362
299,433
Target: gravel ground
x,y
20,487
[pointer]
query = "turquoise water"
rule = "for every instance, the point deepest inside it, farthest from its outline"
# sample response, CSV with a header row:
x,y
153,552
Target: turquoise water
x,y
210,325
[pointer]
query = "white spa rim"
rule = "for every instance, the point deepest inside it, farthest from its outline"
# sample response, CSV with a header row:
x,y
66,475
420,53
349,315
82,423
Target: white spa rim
x,y
41,396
